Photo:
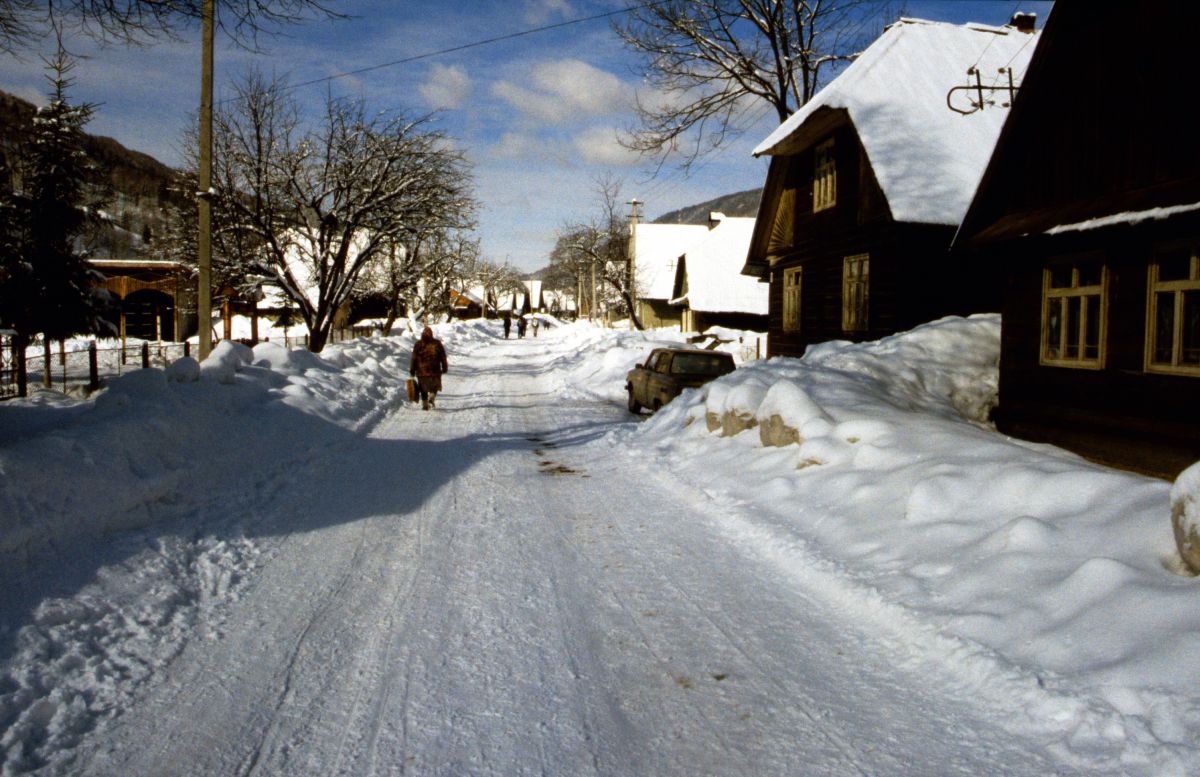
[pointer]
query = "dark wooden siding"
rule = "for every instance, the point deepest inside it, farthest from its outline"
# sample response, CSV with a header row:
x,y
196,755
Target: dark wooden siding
x,y
912,276
1120,414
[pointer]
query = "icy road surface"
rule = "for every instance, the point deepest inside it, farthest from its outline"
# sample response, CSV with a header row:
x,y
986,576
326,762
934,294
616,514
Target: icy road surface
x,y
493,589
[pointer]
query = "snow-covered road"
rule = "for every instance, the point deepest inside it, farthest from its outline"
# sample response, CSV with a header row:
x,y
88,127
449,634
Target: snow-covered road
x,y
492,589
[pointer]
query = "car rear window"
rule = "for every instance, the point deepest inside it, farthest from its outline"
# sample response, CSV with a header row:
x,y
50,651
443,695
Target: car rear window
x,y
701,364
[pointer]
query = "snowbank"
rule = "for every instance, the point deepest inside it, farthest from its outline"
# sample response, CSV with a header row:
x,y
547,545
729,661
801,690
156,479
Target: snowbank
x,y
1055,574
159,436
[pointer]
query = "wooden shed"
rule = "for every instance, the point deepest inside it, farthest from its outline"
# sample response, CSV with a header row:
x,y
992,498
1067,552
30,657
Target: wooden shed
x,y
157,297
1090,211
868,183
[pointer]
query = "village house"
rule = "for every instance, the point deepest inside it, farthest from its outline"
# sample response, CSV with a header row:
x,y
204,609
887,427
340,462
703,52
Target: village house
x,y
655,250
710,289
870,179
1090,211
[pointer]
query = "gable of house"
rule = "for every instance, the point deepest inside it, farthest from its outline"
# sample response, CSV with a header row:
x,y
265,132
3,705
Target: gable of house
x,y
926,157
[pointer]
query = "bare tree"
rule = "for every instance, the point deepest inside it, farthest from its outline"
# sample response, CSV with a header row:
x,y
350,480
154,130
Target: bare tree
x,y
312,208
600,246
140,21
717,64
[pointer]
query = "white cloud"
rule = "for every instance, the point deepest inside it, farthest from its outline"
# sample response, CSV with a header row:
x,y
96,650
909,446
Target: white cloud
x,y
514,145
599,146
561,90
542,11
448,86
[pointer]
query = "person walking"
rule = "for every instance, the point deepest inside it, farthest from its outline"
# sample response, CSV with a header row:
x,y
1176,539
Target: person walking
x,y
428,364
507,325
521,324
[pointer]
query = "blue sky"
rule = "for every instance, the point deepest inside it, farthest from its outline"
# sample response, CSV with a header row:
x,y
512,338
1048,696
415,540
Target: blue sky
x,y
537,115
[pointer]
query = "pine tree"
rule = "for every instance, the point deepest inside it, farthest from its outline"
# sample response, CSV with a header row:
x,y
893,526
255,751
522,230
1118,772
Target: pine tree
x,y
57,173
46,285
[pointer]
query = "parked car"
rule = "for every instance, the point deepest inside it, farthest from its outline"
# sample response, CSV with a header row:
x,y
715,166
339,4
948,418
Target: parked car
x,y
668,371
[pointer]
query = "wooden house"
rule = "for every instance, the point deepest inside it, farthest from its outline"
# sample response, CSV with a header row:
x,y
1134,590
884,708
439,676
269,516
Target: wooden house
x,y
710,289
1090,210
870,179
655,250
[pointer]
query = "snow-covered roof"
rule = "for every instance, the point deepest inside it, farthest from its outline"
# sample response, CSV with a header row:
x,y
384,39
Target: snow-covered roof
x,y
715,283
657,247
927,158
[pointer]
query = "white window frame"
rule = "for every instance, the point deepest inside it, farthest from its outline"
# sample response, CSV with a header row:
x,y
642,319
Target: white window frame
x,y
1051,297
856,291
1176,288
824,176
793,279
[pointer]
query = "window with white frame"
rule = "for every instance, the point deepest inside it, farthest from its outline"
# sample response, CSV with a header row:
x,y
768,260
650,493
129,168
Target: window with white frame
x,y
791,299
1074,308
1173,314
824,177
856,273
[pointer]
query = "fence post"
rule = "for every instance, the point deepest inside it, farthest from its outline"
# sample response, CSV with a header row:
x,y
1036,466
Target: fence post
x,y
145,355
62,360
93,368
47,367
187,347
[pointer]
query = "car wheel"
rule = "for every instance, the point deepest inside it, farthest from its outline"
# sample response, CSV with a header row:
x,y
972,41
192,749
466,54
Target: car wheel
x,y
634,406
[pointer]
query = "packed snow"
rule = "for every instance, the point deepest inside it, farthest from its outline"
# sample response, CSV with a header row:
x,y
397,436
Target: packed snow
x,y
270,563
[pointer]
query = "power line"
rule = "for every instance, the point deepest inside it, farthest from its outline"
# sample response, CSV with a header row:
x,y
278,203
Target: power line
x,y
476,44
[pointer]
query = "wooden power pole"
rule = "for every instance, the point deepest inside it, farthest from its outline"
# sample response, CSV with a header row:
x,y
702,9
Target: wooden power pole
x,y
204,196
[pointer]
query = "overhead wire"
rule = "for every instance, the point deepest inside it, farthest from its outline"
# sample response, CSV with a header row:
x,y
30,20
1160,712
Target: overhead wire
x,y
477,44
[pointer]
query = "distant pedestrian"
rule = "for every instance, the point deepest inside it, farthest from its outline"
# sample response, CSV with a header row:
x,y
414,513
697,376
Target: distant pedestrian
x,y
521,324
428,364
535,327
507,325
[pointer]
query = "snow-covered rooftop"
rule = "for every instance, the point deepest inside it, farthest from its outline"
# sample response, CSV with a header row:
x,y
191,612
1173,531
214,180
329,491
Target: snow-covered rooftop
x,y
657,248
927,158
715,282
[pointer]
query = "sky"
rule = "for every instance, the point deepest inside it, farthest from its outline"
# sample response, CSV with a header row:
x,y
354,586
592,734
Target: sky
x,y
538,115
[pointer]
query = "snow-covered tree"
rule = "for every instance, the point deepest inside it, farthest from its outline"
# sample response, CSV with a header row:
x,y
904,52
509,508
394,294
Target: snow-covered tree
x,y
714,65
312,208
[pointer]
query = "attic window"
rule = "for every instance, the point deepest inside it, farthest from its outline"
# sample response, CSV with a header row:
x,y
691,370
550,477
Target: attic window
x,y
824,177
1173,319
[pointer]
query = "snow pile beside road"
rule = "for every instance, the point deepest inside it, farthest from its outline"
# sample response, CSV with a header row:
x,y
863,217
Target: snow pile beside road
x,y
1036,565
592,362
146,439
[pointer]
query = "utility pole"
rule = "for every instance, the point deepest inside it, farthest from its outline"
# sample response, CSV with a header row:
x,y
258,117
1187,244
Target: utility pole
x,y
592,307
631,260
204,196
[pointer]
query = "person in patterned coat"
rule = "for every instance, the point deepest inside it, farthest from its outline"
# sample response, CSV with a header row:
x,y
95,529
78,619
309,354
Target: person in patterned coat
x,y
427,365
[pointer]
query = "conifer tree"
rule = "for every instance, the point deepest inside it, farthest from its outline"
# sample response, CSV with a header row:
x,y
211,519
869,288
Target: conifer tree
x,y
46,286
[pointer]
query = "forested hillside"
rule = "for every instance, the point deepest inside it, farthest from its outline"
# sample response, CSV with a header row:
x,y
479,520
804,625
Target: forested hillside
x,y
135,189
739,204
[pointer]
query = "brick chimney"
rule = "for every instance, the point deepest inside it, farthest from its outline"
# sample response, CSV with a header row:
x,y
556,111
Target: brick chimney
x,y
1023,22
